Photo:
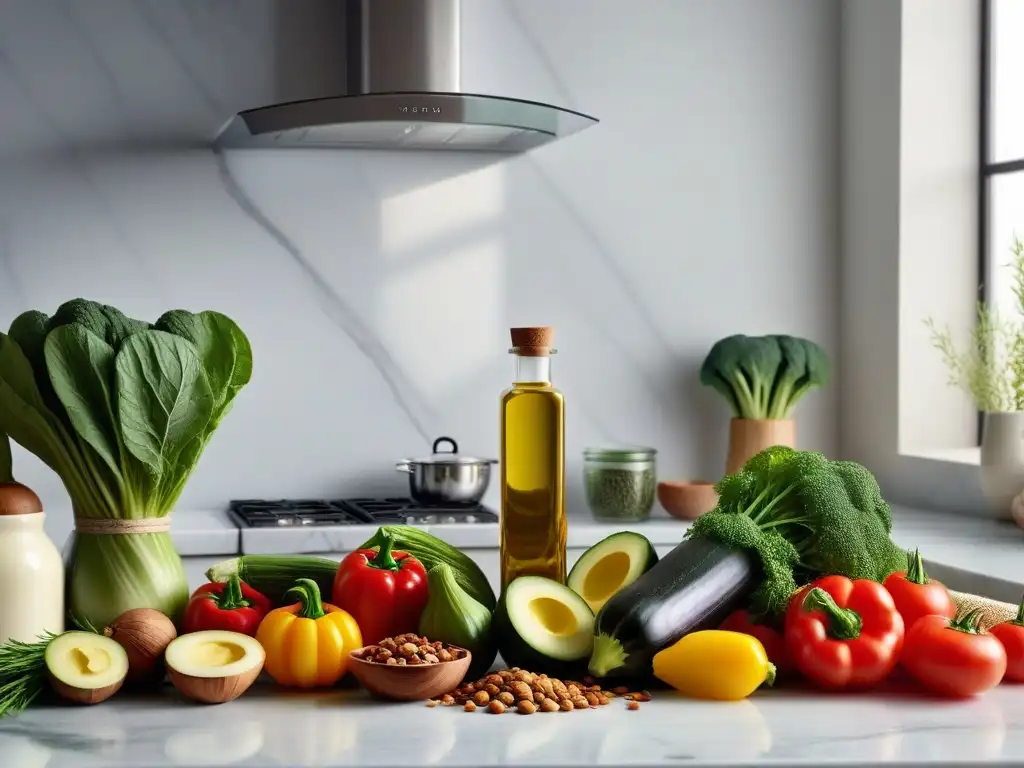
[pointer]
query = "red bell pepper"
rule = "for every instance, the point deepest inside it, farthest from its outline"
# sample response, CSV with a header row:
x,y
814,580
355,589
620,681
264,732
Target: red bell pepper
x,y
842,633
384,590
232,605
1011,635
916,595
773,640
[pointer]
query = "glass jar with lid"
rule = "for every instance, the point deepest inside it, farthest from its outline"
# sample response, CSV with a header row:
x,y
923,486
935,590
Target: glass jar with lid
x,y
620,482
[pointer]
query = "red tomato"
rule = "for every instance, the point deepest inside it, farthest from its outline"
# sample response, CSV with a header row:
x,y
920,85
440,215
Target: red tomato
x,y
952,657
1011,635
773,641
916,595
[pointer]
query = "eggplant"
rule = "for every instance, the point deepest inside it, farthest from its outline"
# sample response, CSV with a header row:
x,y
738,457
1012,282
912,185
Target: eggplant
x,y
694,587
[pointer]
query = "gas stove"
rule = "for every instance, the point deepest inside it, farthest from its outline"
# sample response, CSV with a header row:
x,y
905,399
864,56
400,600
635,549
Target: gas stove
x,y
258,513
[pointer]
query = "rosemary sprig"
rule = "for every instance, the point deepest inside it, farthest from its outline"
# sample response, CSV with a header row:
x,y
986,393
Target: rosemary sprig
x,y
22,673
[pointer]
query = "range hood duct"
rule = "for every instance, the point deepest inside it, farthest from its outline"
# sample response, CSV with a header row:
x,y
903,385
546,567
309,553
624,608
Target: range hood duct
x,y
402,78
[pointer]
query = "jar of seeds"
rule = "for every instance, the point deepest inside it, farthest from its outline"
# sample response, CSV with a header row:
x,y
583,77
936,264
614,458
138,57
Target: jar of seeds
x,y
620,483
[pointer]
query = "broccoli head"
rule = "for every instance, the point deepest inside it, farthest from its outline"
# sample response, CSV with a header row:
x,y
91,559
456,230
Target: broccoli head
x,y
804,366
799,512
743,369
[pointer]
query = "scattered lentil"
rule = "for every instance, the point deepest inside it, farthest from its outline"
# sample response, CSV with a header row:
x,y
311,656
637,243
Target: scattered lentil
x,y
527,692
633,705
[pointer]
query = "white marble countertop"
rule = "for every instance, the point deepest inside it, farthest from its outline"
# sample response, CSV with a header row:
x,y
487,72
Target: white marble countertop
x,y
347,728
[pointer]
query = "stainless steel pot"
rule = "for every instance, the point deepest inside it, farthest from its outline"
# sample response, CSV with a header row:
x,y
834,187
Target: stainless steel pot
x,y
446,477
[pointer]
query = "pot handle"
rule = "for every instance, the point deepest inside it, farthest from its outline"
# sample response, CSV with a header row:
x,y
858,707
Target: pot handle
x,y
452,443
404,466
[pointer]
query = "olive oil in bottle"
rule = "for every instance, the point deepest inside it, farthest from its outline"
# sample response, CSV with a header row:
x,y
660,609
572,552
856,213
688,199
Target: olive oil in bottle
x,y
533,522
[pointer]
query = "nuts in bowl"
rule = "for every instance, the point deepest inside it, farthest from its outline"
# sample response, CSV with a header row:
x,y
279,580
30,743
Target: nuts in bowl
x,y
409,667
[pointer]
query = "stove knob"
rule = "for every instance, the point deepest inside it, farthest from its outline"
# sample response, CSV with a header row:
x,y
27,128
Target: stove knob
x,y
450,519
471,519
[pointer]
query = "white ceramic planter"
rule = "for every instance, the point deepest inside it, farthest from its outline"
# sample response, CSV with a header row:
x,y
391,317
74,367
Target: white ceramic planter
x,y
1002,461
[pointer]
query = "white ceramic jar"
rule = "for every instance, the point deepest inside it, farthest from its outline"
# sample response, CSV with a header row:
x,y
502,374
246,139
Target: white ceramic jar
x,y
31,570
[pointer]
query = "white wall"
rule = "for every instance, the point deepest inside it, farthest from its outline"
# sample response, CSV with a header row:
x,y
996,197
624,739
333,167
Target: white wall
x,y
377,288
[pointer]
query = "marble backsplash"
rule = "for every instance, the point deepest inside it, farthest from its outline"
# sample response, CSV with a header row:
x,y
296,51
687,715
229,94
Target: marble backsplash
x,y
377,288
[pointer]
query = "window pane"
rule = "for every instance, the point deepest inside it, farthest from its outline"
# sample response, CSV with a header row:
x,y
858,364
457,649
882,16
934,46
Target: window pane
x,y
1007,218
1007,110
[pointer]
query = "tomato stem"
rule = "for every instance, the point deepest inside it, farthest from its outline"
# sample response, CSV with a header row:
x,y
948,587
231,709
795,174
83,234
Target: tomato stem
x,y
915,568
967,622
1019,619
843,623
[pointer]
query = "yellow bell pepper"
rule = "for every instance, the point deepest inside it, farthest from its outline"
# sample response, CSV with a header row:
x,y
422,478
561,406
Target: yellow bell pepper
x,y
308,643
715,664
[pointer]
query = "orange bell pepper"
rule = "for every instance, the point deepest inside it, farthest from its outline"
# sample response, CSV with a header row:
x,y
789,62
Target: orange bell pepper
x,y
308,643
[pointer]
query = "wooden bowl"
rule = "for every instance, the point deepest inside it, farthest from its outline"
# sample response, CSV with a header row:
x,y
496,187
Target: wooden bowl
x,y
687,499
410,683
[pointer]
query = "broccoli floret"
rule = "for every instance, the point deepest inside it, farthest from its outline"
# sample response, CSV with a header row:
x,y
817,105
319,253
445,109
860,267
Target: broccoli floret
x,y
804,366
743,369
798,512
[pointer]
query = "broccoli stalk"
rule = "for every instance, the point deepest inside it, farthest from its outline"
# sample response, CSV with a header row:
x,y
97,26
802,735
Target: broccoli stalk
x,y
798,512
763,377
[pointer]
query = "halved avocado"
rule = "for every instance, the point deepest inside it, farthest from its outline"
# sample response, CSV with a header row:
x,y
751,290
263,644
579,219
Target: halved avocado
x,y
214,666
85,667
611,564
543,626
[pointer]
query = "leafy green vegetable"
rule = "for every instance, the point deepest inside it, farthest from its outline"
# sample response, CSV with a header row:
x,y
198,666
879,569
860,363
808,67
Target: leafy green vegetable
x,y
798,511
763,377
121,411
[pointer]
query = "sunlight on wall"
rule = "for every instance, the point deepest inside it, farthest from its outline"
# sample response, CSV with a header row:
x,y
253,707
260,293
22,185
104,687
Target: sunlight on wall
x,y
442,319
414,218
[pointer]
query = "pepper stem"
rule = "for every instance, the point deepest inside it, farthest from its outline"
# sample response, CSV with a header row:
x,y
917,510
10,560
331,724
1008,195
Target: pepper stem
x,y
230,597
769,677
383,559
915,568
843,623
309,595
967,622
1019,620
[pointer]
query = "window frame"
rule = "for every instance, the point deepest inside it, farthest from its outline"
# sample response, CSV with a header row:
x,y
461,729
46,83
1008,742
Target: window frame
x,y
988,170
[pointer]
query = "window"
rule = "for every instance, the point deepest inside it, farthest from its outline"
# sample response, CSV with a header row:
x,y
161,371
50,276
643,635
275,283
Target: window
x,y
1002,147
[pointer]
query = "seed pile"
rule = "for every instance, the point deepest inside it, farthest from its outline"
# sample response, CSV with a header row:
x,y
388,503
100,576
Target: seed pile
x,y
526,693
409,649
620,493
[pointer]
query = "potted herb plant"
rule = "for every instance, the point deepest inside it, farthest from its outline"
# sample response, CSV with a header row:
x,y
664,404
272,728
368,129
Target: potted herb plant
x,y
990,369
762,378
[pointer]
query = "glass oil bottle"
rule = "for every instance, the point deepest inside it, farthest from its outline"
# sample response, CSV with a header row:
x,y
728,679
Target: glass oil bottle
x,y
533,524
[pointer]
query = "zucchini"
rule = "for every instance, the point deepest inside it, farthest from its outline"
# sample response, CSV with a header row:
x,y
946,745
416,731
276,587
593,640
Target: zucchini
x,y
694,587
431,551
273,575
610,565
543,626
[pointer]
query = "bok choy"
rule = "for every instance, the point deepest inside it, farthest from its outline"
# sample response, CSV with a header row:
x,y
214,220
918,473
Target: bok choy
x,y
121,410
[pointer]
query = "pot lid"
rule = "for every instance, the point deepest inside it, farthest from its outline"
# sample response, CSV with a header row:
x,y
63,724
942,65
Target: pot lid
x,y
449,457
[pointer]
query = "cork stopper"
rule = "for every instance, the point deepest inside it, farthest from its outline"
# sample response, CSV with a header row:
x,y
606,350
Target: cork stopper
x,y
533,342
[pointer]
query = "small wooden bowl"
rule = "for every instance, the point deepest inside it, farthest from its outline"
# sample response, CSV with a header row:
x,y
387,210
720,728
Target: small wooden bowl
x,y
687,500
410,683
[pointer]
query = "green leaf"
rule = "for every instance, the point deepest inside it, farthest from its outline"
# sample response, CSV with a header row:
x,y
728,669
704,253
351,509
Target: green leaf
x,y
81,367
23,416
223,348
163,398
6,462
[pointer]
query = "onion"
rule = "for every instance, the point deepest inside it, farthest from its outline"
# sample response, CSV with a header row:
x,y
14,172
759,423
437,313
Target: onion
x,y
144,633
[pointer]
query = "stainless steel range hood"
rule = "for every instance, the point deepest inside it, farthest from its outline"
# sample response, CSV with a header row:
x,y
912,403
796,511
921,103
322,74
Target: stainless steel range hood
x,y
402,77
